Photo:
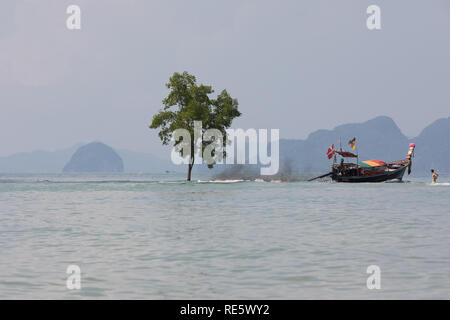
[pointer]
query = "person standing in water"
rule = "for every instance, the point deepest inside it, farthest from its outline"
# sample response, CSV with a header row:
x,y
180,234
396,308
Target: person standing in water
x,y
434,176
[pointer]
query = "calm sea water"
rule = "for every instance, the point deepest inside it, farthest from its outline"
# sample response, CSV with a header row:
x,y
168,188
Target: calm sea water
x,y
157,237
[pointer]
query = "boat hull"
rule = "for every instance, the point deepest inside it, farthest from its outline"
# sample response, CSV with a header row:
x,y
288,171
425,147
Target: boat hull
x,y
382,177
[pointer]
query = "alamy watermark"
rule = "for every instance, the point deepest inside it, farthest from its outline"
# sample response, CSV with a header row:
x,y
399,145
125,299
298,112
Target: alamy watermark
x,y
73,281
73,22
213,152
374,20
374,280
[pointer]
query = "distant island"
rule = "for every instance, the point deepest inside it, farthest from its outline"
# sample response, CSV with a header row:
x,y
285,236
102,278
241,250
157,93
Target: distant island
x,y
94,157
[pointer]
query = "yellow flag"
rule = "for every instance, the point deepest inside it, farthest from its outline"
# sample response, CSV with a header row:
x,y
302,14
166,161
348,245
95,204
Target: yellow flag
x,y
352,144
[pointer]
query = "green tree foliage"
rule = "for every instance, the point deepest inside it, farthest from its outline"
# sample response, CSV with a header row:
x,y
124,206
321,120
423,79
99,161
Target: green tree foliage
x,y
188,102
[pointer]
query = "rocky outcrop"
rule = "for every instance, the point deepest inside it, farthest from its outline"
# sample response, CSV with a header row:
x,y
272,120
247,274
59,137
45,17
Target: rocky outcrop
x,y
94,157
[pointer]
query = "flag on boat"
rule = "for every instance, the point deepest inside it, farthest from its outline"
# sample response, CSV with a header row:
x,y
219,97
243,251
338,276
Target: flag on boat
x,y
346,154
330,152
352,144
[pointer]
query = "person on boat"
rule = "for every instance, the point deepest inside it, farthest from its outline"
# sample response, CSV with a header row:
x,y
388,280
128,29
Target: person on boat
x,y
341,167
434,176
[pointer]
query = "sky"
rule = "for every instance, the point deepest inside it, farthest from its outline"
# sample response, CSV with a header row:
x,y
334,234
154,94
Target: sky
x,y
297,66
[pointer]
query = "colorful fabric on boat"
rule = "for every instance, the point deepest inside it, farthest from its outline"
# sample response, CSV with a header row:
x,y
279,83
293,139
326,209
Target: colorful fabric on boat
x,y
372,163
412,146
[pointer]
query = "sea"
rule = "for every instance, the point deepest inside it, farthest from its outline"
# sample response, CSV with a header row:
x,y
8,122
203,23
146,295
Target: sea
x,y
156,236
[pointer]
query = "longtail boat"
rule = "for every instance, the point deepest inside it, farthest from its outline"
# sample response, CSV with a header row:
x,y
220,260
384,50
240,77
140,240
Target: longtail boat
x,y
366,171
370,170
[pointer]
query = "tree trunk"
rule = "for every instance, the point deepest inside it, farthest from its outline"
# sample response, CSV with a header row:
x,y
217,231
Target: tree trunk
x,y
191,164
189,172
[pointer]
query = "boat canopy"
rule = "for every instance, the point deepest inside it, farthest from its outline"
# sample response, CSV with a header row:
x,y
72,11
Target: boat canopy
x,y
372,163
346,154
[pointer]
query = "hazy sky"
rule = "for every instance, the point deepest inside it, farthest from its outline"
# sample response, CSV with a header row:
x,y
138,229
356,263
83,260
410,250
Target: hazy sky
x,y
293,65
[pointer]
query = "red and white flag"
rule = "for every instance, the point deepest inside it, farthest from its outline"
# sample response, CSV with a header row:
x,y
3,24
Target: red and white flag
x,y
330,152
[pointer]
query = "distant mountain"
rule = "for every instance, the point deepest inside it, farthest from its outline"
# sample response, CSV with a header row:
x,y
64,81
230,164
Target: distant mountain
x,y
94,157
378,138
54,162
37,161
433,147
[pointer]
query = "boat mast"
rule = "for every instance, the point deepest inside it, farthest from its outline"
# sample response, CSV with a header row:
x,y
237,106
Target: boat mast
x,y
357,160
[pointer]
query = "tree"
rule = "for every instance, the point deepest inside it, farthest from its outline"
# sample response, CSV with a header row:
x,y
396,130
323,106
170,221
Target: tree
x,y
188,102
